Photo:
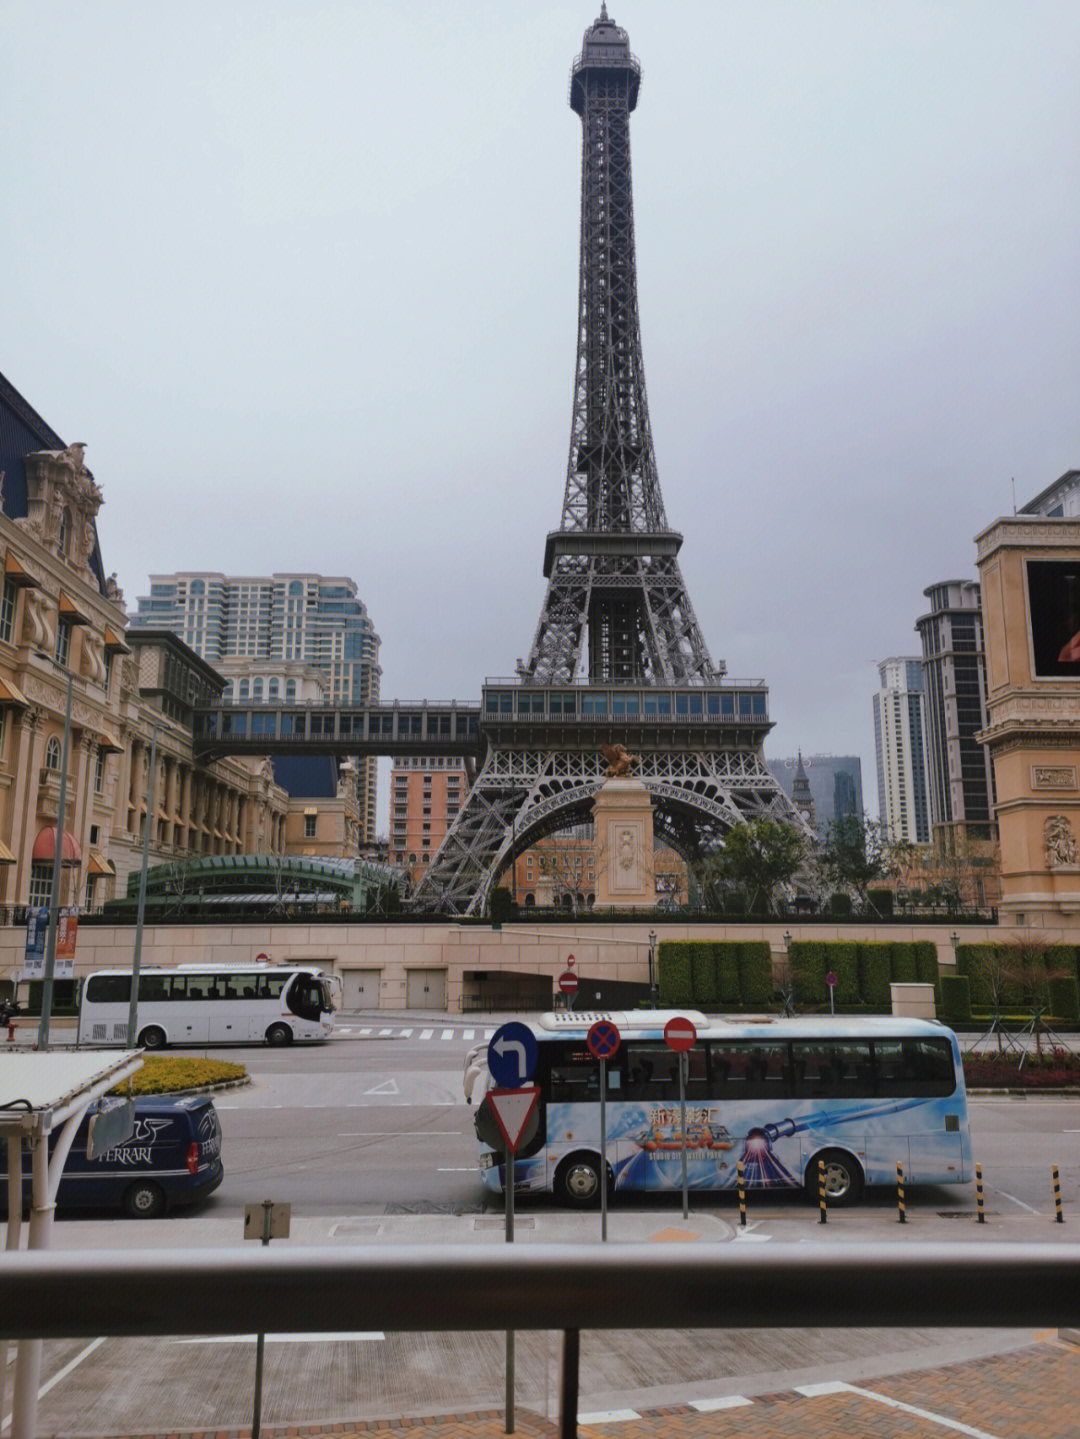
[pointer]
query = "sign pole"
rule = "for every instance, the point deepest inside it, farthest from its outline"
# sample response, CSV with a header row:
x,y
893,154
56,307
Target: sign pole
x,y
683,1063
603,1151
508,1190
260,1342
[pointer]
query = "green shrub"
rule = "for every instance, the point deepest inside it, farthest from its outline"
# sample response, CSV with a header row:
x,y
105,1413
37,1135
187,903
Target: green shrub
x,y
902,967
674,976
880,902
841,957
971,962
1065,998
875,971
926,963
703,975
755,973
807,959
955,999
726,962
839,906
168,1074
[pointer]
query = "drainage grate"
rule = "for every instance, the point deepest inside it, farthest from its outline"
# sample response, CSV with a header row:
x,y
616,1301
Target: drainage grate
x,y
966,1213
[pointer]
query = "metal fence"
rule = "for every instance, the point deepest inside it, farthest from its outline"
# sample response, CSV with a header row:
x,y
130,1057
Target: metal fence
x,y
565,1287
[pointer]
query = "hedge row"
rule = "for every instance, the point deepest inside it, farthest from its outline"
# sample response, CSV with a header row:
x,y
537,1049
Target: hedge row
x,y
864,970
715,974
1053,972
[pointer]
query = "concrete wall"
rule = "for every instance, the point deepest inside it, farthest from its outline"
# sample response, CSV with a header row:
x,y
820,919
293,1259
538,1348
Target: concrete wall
x,y
612,952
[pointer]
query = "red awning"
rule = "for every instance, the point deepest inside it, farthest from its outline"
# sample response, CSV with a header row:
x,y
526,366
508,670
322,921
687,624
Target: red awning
x,y
45,847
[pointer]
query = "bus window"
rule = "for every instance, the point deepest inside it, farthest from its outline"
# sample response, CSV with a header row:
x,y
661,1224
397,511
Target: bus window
x,y
751,1071
271,985
575,1075
155,987
838,1069
652,1072
109,989
913,1068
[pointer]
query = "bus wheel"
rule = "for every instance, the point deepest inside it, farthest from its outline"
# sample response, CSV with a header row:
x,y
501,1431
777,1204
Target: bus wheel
x,y
152,1037
279,1035
843,1178
577,1181
144,1200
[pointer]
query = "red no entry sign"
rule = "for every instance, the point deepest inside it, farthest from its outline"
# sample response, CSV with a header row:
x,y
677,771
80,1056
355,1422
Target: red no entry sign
x,y
831,980
603,1039
679,1034
568,982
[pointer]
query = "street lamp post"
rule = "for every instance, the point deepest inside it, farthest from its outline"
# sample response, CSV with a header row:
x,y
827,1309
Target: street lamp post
x,y
652,967
136,958
54,891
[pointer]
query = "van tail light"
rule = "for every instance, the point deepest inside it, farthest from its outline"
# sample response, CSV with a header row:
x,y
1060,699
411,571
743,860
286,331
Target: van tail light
x,y
193,1157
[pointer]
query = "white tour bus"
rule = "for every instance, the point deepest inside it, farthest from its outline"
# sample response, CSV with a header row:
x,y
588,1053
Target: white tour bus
x,y
782,1094
208,1004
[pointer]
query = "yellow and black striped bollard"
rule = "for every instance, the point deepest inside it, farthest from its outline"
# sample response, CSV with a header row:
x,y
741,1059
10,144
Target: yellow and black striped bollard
x,y
742,1194
901,1217
823,1216
1057,1194
979,1193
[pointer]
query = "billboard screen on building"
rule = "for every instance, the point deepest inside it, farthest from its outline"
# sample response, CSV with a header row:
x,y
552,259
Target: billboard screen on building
x,y
1054,606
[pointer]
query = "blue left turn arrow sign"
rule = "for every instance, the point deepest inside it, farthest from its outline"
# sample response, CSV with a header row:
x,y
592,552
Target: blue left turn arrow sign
x,y
512,1054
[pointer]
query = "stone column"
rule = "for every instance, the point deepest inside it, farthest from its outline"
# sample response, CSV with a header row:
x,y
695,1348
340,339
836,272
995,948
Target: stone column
x,y
622,812
24,801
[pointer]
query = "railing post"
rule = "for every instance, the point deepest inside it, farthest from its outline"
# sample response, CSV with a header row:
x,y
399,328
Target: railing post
x,y
568,1385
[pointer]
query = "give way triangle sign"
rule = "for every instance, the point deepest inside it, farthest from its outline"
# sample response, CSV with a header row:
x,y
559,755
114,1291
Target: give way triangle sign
x,y
512,1110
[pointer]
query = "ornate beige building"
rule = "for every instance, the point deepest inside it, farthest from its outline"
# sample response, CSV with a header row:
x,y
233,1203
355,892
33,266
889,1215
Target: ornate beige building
x,y
63,635
1029,570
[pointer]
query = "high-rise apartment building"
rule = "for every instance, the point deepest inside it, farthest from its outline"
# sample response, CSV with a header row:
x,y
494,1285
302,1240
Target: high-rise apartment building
x,y
425,797
954,702
899,739
265,633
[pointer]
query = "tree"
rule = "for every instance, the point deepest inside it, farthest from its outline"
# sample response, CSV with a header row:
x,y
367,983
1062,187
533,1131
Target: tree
x,y
853,853
757,856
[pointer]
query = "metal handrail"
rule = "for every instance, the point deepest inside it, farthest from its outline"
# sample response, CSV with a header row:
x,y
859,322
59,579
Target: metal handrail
x,y
78,1294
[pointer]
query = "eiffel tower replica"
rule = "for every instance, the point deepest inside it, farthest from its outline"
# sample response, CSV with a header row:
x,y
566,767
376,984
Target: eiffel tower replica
x,y
618,656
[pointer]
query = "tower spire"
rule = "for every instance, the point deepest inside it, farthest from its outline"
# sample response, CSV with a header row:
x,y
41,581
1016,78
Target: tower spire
x,y
616,607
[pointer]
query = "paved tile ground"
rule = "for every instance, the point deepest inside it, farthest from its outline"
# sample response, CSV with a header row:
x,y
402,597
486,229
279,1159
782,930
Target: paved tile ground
x,y
1031,1393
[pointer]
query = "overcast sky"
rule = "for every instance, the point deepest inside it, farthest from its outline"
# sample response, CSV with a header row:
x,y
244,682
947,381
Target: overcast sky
x,y
303,277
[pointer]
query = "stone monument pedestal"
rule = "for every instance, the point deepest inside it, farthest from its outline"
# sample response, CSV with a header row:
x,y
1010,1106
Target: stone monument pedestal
x,y
622,812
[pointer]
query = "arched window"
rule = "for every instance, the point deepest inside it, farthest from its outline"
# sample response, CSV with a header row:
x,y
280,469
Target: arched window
x,y
197,587
227,694
64,537
245,690
296,587
256,689
52,753
273,688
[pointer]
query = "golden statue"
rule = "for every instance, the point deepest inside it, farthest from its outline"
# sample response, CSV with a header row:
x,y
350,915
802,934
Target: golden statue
x,y
620,764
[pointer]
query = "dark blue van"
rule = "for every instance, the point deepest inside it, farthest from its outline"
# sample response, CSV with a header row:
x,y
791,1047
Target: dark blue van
x,y
172,1159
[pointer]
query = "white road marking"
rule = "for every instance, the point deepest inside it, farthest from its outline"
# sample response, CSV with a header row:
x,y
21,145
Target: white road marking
x,y
470,1169
1017,1201
384,1032
405,1034
954,1424
401,1134
388,1086
447,1034
729,1401
60,1374
373,1336
468,1033
426,1033
609,1416
363,1031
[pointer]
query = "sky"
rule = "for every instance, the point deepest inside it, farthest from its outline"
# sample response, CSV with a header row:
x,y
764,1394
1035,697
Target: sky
x,y
303,277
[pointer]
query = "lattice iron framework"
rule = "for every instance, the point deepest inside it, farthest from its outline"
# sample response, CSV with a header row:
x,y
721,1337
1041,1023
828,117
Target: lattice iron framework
x,y
617,616
616,607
